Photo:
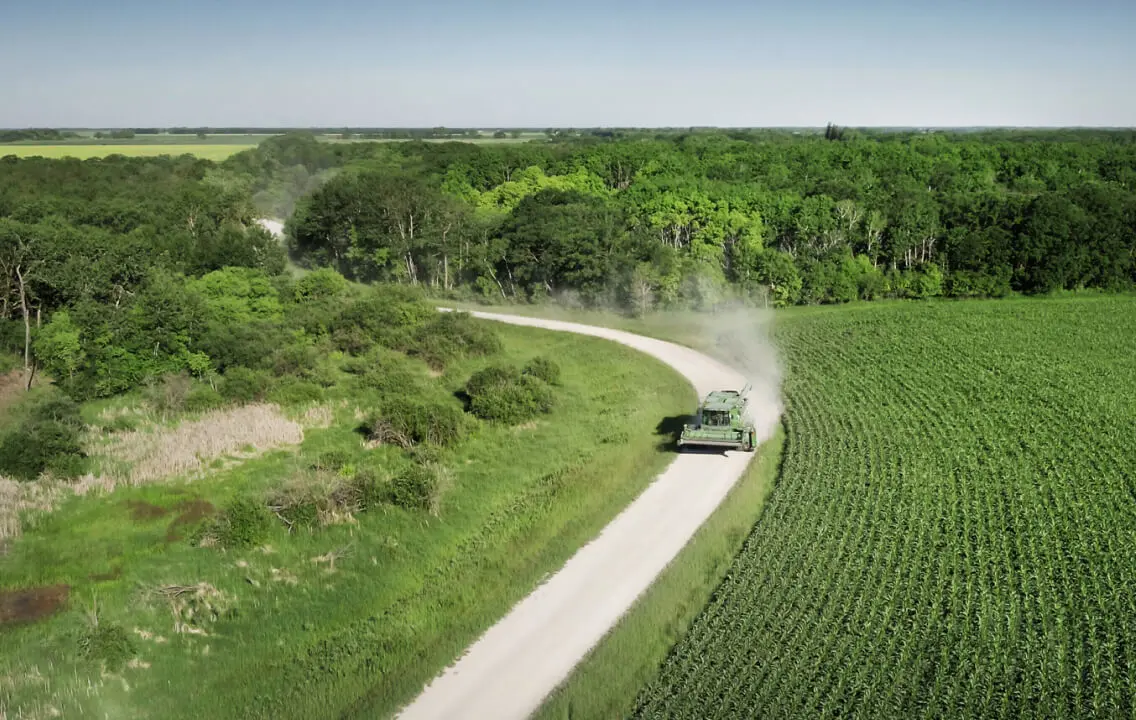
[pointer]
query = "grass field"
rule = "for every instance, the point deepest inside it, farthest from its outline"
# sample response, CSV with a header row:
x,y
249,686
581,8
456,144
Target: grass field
x,y
82,151
351,619
952,531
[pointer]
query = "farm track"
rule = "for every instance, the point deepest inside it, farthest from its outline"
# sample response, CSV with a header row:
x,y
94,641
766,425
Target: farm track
x,y
509,671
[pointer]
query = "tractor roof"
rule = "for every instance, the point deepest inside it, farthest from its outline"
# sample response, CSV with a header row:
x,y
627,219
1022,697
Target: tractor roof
x,y
723,400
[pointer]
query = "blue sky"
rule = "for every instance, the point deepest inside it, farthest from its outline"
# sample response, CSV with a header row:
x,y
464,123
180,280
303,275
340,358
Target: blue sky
x,y
587,63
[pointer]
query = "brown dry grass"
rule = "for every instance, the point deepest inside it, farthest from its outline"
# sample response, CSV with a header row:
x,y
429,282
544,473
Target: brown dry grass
x,y
150,455
18,497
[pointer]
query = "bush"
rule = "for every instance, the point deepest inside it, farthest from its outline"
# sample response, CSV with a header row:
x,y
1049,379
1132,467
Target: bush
x,y
454,335
387,315
294,391
316,498
543,368
244,385
168,394
419,487
389,372
505,395
203,397
108,644
245,522
370,488
412,420
47,439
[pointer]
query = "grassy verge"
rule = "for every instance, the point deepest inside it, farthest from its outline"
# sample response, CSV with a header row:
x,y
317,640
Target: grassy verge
x,y
605,684
350,619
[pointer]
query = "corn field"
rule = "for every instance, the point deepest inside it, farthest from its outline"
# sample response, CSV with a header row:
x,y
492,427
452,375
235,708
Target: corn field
x,y
954,529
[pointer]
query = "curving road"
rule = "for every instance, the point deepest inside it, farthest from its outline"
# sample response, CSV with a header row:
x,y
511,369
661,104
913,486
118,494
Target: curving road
x,y
509,671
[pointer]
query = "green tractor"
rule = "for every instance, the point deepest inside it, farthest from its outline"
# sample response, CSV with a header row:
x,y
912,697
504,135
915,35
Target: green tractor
x,y
721,423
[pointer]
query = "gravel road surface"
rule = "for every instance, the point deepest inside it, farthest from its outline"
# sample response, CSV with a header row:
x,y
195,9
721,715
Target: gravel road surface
x,y
509,671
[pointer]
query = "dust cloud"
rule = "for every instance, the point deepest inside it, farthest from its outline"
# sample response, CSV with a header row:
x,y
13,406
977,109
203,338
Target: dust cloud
x,y
740,337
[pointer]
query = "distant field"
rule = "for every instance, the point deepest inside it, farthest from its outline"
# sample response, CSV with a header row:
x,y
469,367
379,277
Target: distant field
x,y
88,138
207,151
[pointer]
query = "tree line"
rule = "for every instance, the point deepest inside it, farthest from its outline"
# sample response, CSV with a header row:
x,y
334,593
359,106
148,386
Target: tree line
x,y
829,218
103,263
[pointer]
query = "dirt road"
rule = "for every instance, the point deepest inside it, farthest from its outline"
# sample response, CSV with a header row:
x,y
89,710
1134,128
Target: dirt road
x,y
520,660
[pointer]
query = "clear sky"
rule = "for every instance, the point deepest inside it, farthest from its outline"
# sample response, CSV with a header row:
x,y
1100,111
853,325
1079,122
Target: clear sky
x,y
142,63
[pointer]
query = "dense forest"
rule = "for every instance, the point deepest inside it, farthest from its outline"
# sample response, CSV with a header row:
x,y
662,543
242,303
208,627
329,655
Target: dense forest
x,y
646,221
118,270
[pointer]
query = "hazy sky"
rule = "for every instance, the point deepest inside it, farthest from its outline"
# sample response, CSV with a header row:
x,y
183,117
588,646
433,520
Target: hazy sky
x,y
586,63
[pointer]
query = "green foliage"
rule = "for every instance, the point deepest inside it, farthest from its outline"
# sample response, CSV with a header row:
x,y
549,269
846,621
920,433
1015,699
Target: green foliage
x,y
295,391
46,438
504,394
387,315
58,347
543,368
203,397
244,385
389,372
243,523
108,644
452,336
411,420
237,296
418,487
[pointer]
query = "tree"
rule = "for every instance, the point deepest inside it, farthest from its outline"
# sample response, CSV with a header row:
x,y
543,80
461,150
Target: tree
x,y
59,347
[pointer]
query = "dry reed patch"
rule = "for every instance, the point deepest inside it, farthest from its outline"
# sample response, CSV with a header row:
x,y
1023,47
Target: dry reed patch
x,y
17,497
318,416
188,448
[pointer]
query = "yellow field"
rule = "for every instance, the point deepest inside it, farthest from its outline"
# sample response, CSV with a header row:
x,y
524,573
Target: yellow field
x,y
83,152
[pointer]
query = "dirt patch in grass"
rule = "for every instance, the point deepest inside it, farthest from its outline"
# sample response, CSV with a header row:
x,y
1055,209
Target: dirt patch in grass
x,y
141,511
192,511
23,606
191,446
11,388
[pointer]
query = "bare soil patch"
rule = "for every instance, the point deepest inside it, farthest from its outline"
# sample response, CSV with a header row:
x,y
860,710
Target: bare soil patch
x,y
22,606
192,511
141,511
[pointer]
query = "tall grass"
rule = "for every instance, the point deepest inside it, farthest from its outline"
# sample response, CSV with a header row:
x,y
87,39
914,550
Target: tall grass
x,y
338,617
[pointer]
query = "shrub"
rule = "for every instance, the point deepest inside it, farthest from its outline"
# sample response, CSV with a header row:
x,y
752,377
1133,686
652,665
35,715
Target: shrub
x,y
388,315
411,421
505,395
203,397
543,368
243,523
454,335
389,372
47,439
316,498
168,394
370,488
294,391
108,644
244,385
419,487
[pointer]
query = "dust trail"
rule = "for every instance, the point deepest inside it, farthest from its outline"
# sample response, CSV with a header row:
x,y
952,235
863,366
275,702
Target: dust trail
x,y
740,337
